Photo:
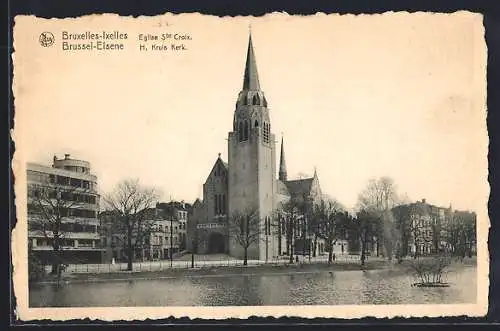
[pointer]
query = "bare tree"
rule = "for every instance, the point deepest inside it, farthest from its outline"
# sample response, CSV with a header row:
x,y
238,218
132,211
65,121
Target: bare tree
x,y
289,215
128,206
330,221
378,198
363,227
48,207
245,228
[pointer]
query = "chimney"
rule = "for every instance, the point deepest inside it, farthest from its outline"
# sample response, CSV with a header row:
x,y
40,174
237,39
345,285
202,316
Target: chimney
x,y
66,156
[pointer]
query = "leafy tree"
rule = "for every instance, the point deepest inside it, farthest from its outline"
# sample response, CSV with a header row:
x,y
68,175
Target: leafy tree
x,y
461,233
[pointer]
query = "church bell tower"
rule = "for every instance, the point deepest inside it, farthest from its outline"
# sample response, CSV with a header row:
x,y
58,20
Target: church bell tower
x,y
251,157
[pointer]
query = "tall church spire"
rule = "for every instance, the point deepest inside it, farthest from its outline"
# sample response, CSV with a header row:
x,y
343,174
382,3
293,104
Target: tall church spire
x,y
282,172
251,79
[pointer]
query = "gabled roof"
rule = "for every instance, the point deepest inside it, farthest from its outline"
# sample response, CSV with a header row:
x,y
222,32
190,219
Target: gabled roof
x,y
282,188
224,166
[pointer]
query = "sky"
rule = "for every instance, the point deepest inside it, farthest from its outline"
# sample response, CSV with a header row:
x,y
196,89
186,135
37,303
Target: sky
x,y
356,97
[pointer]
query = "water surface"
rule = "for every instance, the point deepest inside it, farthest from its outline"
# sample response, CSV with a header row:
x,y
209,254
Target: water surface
x,y
323,288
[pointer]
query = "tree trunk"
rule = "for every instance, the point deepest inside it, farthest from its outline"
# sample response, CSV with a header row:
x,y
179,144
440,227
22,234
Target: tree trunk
x,y
315,244
56,264
363,249
378,246
192,260
330,253
303,241
279,236
245,256
130,250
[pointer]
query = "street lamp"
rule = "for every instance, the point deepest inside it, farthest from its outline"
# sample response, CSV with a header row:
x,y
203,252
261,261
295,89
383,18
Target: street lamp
x,y
171,239
267,237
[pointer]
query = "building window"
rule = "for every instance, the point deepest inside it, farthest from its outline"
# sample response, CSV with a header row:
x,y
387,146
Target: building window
x,y
240,131
255,100
265,132
245,136
256,124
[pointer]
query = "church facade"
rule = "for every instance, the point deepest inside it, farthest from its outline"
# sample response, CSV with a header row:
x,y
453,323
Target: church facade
x,y
248,180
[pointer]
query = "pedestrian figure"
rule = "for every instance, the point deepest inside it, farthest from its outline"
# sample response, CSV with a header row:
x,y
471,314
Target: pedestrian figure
x,y
333,256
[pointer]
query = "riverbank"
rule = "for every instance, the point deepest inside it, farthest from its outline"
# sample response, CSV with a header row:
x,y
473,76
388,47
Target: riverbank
x,y
219,271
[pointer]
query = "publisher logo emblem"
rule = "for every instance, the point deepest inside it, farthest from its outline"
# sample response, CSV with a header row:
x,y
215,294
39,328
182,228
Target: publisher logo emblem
x,y
46,39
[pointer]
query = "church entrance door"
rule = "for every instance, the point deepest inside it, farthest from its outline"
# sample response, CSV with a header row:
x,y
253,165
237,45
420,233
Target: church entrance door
x,y
216,243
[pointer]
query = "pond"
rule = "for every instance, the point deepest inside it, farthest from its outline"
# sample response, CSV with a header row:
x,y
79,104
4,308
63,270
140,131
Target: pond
x,y
388,286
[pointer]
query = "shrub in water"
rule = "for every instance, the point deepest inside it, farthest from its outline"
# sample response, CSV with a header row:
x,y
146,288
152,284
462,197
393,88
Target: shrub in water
x,y
430,271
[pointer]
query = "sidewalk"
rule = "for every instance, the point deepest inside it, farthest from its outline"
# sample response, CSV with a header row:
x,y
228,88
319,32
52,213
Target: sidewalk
x,y
184,262
213,271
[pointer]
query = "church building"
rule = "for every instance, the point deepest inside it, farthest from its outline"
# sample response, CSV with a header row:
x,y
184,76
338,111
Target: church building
x,y
248,180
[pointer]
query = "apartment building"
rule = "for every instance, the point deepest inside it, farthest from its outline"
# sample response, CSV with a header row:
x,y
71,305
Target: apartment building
x,y
180,211
161,235
63,202
423,227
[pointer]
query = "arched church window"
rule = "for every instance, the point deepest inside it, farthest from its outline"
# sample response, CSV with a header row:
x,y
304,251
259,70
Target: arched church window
x,y
266,132
240,131
256,124
245,101
255,100
245,137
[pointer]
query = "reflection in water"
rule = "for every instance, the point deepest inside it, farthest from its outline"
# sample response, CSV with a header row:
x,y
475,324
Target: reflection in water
x,y
325,288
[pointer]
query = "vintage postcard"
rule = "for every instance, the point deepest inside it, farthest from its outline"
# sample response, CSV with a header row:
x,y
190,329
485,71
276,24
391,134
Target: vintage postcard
x,y
227,167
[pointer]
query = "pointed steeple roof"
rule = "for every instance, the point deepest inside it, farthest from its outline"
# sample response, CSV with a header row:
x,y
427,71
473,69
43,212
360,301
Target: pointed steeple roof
x,y
251,78
282,172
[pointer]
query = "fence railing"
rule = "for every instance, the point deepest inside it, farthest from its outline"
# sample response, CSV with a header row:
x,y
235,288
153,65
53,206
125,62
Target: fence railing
x,y
160,265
